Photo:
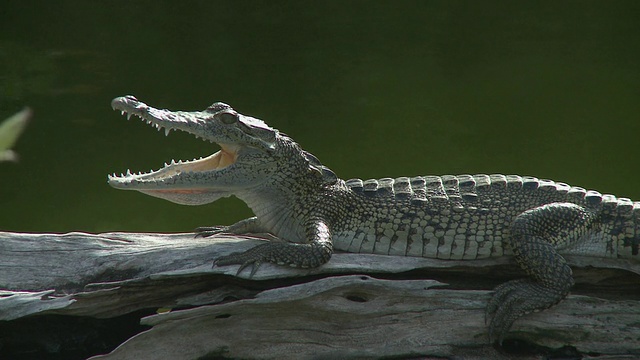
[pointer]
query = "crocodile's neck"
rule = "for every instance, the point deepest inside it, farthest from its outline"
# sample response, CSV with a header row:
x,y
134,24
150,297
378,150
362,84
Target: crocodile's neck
x,y
279,202
275,212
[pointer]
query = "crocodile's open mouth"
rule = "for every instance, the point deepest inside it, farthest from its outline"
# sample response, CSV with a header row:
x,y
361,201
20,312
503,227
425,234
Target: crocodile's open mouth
x,y
217,161
220,160
225,157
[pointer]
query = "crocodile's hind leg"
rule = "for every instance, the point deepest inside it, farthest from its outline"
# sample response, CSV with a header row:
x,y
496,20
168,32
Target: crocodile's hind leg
x,y
536,235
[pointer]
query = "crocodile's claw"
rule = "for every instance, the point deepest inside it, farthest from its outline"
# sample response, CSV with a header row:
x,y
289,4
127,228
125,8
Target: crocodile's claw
x,y
253,257
206,231
255,264
514,299
243,258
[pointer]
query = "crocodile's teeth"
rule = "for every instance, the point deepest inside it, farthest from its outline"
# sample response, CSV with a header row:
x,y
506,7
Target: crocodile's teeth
x,y
128,116
128,172
166,131
122,112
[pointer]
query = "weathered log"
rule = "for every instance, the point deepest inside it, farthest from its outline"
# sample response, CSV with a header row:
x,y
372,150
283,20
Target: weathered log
x,y
362,317
354,306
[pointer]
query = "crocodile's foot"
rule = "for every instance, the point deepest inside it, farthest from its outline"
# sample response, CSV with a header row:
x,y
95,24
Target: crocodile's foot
x,y
514,299
206,231
253,257
288,254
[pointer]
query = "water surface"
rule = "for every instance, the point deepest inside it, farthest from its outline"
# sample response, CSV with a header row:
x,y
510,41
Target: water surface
x,y
373,88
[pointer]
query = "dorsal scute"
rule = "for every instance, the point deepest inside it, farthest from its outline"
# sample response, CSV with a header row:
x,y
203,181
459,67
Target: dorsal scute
x,y
328,176
469,188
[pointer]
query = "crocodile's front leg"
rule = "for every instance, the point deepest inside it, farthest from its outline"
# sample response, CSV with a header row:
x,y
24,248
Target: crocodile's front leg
x,y
314,253
536,235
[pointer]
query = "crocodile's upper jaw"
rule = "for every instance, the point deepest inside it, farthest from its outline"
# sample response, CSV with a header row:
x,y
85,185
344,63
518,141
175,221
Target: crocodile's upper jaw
x,y
203,180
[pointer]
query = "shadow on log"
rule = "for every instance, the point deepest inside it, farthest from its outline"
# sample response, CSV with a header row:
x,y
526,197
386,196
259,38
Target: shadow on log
x,y
356,306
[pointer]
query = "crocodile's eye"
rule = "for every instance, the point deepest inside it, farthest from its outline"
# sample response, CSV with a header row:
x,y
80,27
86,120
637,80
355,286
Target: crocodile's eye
x,y
228,117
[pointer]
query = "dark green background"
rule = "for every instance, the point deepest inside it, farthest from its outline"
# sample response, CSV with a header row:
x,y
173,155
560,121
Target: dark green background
x,y
373,88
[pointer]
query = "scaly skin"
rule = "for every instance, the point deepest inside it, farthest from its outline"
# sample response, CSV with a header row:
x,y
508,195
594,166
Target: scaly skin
x,y
303,203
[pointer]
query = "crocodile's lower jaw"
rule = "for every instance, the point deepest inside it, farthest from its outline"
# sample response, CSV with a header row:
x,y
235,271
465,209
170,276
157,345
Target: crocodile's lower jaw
x,y
217,161
187,196
172,181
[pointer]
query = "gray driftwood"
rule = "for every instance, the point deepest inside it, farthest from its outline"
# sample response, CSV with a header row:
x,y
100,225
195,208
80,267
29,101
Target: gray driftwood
x,y
356,306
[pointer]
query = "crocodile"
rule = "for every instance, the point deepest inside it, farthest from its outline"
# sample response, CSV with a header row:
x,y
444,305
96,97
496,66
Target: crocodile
x,y
465,217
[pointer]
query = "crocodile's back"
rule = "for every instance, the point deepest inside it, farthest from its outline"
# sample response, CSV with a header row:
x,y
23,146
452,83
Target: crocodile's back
x,y
469,217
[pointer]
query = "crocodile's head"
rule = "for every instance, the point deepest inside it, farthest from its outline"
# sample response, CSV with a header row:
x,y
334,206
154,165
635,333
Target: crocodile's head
x,y
247,157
